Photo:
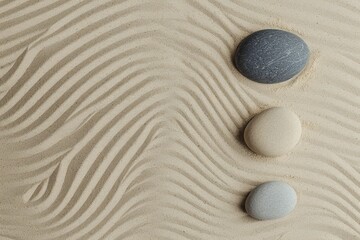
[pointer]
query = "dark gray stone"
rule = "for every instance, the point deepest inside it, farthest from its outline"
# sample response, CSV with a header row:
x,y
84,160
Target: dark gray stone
x,y
271,200
271,56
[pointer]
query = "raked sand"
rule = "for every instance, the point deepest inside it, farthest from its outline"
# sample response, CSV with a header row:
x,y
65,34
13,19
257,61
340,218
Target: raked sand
x,y
124,120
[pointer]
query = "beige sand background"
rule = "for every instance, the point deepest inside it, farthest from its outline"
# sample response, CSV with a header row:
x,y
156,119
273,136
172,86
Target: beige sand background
x,y
123,120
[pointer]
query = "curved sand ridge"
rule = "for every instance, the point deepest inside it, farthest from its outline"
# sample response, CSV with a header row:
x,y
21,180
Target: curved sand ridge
x,y
123,120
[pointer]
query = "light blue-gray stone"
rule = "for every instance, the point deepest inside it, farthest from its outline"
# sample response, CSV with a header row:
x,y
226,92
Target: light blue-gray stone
x,y
271,200
271,56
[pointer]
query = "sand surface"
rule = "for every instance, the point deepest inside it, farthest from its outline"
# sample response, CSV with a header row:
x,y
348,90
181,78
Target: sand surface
x,y
123,120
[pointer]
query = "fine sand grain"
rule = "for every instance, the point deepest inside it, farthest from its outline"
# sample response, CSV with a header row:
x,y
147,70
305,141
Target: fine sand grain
x,y
124,120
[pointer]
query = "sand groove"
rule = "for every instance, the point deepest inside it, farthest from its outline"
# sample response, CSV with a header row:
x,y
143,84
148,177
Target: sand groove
x,y
123,120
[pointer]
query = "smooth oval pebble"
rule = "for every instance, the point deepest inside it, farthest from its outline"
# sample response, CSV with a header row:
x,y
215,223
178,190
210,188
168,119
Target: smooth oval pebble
x,y
271,200
271,56
273,132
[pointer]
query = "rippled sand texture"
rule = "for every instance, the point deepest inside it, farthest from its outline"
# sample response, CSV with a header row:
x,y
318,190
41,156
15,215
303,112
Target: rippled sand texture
x,y
121,120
